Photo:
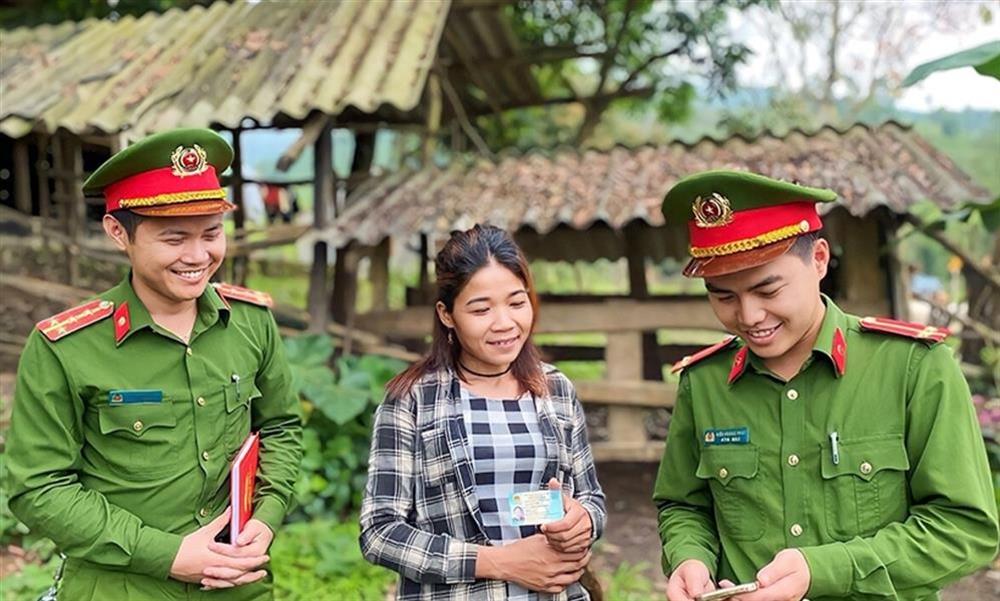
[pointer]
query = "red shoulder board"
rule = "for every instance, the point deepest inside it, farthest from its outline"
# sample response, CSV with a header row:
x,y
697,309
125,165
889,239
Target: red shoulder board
x,y
254,297
77,318
917,331
702,354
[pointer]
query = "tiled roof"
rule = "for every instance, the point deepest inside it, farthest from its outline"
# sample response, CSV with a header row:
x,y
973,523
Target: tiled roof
x,y
218,65
867,166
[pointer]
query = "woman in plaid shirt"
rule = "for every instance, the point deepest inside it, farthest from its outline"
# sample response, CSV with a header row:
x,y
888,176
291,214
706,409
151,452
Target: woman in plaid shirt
x,y
478,418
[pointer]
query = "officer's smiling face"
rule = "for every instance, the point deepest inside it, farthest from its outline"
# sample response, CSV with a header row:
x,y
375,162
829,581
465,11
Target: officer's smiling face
x,y
492,318
775,307
174,257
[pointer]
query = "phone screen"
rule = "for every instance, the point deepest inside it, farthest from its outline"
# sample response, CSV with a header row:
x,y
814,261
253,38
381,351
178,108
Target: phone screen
x,y
725,593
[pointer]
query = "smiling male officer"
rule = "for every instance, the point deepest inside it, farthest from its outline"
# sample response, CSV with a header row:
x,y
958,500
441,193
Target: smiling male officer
x,y
813,452
129,408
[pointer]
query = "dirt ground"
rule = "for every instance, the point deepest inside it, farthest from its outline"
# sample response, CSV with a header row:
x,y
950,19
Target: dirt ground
x,y
631,534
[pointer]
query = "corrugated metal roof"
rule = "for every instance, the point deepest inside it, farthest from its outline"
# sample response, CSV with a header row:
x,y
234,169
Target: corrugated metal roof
x,y
868,166
218,65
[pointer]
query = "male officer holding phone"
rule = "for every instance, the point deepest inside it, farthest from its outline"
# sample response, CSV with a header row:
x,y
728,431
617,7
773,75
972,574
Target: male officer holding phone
x,y
130,407
813,452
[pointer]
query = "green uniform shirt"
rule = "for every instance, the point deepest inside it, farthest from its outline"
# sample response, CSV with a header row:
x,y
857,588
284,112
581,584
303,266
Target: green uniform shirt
x,y
117,476
749,467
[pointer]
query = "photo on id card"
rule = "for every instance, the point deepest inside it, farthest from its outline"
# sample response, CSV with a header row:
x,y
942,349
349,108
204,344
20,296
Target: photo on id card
x,y
535,507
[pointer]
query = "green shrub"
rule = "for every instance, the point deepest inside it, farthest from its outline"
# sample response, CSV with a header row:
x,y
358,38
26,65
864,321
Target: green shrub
x,y
339,406
310,557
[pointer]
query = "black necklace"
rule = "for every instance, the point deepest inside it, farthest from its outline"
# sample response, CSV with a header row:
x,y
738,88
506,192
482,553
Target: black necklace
x,y
476,373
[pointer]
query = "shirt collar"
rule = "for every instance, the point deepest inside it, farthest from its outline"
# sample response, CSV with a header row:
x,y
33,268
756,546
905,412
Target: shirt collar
x,y
131,315
831,343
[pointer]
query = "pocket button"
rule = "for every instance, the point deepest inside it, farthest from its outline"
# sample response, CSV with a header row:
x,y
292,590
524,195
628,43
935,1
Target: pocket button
x,y
796,530
137,426
866,468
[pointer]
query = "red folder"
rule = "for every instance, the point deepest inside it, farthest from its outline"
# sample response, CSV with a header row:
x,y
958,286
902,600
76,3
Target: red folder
x,y
241,480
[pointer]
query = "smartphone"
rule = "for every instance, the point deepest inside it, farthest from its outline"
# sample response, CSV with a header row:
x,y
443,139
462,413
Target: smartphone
x,y
725,593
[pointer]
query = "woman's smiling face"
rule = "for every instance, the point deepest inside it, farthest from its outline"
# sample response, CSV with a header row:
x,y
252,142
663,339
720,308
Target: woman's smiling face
x,y
492,318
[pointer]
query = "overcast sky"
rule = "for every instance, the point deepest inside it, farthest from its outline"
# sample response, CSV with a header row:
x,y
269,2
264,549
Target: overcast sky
x,y
955,90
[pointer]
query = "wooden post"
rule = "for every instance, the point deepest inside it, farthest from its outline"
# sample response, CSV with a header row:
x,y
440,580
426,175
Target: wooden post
x,y
345,272
240,263
434,106
379,275
652,366
323,199
626,429
42,168
424,280
22,177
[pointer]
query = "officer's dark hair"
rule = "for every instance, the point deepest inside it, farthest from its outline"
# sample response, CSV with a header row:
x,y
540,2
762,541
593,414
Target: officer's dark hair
x,y
462,257
803,247
129,220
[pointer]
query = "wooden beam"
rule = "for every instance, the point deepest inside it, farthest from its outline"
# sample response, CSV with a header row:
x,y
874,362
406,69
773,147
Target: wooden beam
x,y
316,126
42,167
610,316
634,393
643,451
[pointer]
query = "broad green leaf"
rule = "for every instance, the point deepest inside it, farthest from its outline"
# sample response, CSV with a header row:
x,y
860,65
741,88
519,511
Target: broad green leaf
x,y
309,349
985,59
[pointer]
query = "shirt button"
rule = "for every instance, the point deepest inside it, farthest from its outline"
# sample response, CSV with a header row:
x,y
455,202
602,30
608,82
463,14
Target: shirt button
x,y
866,468
189,351
201,401
203,512
204,455
137,426
723,472
792,394
796,530
793,460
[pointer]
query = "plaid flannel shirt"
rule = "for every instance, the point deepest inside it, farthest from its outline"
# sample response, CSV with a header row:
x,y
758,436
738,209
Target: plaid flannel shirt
x,y
420,515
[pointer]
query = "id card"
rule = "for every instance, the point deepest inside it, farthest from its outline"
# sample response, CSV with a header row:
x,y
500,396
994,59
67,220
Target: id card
x,y
535,507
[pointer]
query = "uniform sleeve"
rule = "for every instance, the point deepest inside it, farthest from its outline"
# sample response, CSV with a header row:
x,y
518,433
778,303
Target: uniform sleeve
x,y
387,537
683,501
586,488
952,527
43,461
278,419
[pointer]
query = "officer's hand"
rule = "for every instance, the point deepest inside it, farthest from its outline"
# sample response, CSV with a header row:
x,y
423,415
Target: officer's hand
x,y
253,541
689,580
786,578
571,534
194,556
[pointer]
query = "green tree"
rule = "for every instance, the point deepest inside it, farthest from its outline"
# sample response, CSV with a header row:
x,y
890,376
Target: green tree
x,y
634,53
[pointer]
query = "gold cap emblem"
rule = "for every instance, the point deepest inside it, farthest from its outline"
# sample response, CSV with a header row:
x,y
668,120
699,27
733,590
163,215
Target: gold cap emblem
x,y
712,211
190,160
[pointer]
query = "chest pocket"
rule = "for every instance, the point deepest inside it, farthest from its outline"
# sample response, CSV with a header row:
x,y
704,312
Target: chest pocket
x,y
866,489
437,463
136,438
733,476
240,394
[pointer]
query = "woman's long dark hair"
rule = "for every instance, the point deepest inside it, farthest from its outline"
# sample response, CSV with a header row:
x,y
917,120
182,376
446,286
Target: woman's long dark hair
x,y
463,255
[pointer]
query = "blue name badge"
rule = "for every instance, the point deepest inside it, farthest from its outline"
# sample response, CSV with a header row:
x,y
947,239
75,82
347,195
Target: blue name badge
x,y
727,436
131,397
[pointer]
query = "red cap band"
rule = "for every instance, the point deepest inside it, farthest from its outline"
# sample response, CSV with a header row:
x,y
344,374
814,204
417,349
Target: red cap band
x,y
162,187
753,228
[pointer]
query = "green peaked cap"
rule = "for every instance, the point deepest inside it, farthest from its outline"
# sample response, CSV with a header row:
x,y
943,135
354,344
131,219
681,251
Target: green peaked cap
x,y
744,190
155,152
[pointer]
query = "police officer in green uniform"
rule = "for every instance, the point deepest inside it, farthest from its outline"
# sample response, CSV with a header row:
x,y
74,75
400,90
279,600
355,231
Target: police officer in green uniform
x,y
813,452
130,408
